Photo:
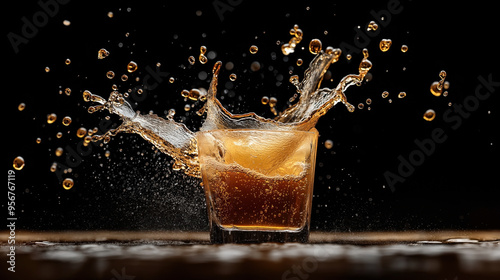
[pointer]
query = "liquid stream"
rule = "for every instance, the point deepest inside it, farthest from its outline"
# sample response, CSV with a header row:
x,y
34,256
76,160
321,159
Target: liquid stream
x,y
176,140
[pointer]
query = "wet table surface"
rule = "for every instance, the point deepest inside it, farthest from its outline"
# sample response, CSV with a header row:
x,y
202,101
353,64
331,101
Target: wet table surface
x,y
451,255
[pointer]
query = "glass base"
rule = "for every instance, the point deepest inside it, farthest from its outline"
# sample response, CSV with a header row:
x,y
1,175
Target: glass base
x,y
219,235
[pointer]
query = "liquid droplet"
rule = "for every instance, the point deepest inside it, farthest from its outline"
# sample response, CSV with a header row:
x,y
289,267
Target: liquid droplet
x,y
404,48
51,118
232,77
68,183
59,151
254,49
81,132
264,100
361,106
299,62
289,47
102,53
66,121
171,80
67,91
21,106
68,61
429,115
47,69
191,60
124,77
372,26
368,101
385,44
131,67
328,144
385,94
315,46
110,74
18,163
402,94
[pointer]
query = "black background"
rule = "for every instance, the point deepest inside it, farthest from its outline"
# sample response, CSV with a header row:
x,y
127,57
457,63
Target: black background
x,y
134,188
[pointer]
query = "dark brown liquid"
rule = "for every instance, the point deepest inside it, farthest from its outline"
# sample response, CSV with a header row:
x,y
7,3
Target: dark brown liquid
x,y
242,199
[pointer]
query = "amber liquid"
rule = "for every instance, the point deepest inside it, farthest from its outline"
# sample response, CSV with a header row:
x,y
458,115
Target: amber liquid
x,y
244,200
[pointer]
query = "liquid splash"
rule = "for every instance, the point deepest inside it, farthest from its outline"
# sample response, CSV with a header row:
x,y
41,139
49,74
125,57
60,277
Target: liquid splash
x,y
176,140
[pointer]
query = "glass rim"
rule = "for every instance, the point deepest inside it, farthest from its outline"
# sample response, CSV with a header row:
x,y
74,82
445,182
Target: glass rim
x,y
313,131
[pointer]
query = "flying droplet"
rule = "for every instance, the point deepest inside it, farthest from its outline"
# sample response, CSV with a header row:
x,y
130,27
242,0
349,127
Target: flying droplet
x,y
299,62
68,61
124,77
264,100
404,48
385,44
131,67
110,74
429,115
51,118
254,49
328,144
385,94
59,151
103,53
402,94
232,77
372,25
21,106
315,46
81,132
66,121
68,183
18,163
47,69
191,60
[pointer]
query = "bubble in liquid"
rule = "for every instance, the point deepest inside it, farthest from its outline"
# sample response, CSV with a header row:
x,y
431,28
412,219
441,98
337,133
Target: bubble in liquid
x,y
404,48
59,151
385,94
18,163
385,44
232,77
315,46
21,106
402,94
254,49
372,25
81,132
264,100
429,115
131,66
68,183
328,144
102,53
110,74
66,121
191,60
51,118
